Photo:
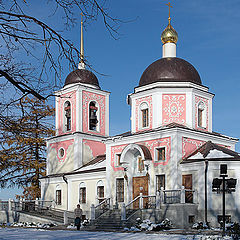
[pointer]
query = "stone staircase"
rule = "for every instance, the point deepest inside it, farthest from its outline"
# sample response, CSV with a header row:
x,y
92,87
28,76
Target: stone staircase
x,y
109,221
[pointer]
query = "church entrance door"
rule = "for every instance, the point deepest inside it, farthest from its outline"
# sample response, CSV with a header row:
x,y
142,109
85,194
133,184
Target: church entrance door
x,y
140,185
187,183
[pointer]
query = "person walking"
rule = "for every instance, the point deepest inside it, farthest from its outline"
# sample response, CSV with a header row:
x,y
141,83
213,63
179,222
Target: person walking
x,y
78,216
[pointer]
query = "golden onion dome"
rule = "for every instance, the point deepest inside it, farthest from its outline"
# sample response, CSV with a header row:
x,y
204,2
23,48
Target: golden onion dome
x,y
169,34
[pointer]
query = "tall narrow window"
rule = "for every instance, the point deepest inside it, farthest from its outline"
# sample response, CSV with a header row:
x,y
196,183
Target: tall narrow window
x,y
58,197
67,111
201,115
82,195
144,115
118,157
120,189
160,182
93,119
160,154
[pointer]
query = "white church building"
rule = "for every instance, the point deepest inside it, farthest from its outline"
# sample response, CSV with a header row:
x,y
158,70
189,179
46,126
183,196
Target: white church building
x,y
170,153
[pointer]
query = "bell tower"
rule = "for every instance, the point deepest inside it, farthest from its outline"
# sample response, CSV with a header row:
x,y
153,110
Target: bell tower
x,y
82,120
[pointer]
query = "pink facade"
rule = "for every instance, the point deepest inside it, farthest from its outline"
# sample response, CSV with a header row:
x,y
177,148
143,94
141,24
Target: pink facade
x,y
62,144
71,97
174,108
151,145
189,145
139,101
199,99
97,148
161,142
116,150
87,97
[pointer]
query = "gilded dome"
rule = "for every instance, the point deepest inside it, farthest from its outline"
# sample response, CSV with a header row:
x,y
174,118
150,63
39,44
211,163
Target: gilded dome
x,y
169,34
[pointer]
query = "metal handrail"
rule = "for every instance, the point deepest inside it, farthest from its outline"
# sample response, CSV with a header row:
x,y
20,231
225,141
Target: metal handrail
x,y
102,207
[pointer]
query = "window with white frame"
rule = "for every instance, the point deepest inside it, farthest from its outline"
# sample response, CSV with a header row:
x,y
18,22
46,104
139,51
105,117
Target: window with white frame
x,y
120,189
160,182
58,199
67,115
144,115
160,154
82,193
100,191
201,115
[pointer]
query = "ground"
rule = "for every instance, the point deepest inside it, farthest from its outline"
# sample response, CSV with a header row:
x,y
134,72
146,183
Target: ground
x,y
38,234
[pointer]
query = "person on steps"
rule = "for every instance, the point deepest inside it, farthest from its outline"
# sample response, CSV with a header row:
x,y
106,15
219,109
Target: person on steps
x,y
78,216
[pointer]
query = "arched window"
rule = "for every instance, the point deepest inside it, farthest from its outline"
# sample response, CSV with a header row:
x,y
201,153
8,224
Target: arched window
x,y
67,113
58,195
144,115
82,192
93,118
201,115
100,191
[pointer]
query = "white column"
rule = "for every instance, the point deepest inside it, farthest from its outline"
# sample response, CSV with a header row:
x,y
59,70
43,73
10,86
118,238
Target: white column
x,y
92,212
158,201
183,195
169,50
141,201
123,212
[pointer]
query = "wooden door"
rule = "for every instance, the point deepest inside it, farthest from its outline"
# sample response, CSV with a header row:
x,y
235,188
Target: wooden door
x,y
140,185
187,183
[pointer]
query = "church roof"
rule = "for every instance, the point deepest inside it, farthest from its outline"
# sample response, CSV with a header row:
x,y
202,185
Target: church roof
x,y
169,126
211,151
82,76
171,69
97,164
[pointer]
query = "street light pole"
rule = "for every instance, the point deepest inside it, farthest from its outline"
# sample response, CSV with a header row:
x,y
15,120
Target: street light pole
x,y
223,202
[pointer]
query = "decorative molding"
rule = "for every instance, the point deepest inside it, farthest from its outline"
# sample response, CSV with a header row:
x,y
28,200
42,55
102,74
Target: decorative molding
x,y
174,108
87,97
151,145
71,97
206,102
63,144
148,100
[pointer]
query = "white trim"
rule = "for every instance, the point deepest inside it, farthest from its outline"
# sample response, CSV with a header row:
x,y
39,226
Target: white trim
x,y
65,119
140,109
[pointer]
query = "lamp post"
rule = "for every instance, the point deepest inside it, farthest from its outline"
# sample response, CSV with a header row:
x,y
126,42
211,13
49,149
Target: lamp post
x,y
224,185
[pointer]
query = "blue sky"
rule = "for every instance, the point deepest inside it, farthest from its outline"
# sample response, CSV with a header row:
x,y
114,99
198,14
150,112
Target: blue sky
x,y
209,39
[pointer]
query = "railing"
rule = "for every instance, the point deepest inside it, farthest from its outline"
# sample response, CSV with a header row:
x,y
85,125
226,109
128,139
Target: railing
x,y
133,204
149,202
4,205
102,207
171,196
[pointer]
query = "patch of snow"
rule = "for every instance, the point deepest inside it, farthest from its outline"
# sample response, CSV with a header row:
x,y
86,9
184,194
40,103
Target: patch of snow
x,y
36,234
197,156
217,154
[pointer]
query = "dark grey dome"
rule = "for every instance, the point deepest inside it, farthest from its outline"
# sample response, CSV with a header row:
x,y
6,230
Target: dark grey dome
x,y
170,70
82,76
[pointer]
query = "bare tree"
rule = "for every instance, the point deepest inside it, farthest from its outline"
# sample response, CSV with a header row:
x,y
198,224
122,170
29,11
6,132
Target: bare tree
x,y
32,49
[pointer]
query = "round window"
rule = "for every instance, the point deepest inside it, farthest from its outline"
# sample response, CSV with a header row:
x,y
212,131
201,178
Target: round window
x,y
61,152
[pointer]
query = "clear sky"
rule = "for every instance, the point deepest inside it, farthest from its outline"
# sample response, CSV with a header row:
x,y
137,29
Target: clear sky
x,y
209,39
